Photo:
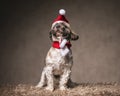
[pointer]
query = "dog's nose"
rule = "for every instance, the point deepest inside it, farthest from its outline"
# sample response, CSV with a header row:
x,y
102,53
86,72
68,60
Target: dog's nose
x,y
63,29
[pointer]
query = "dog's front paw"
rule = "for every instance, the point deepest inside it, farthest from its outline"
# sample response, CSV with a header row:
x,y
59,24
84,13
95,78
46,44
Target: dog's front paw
x,y
49,88
39,85
63,88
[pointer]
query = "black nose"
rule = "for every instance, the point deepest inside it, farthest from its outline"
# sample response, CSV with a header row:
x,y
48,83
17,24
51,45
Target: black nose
x,y
63,29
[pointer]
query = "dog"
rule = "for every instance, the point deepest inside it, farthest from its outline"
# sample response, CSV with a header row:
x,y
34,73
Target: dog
x,y
59,59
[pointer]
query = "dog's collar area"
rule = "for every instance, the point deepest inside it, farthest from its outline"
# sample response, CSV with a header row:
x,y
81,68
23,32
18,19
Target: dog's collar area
x,y
56,44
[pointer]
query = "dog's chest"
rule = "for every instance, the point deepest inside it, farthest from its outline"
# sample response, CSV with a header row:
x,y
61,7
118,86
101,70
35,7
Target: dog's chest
x,y
55,58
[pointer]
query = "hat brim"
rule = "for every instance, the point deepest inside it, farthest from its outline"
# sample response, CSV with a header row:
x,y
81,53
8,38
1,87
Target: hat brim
x,y
67,24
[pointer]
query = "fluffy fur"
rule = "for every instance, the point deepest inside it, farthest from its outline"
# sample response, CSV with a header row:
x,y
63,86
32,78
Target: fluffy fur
x,y
58,67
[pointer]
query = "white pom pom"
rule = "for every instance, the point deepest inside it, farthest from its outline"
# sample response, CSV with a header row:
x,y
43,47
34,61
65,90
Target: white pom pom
x,y
62,12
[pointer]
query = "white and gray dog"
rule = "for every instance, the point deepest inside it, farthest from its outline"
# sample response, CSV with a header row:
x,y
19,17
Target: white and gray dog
x,y
59,58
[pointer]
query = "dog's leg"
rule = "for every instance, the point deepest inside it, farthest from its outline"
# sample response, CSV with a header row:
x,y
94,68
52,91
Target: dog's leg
x,y
64,79
50,78
42,80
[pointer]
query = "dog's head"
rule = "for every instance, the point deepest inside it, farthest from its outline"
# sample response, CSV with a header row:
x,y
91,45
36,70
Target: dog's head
x,y
62,30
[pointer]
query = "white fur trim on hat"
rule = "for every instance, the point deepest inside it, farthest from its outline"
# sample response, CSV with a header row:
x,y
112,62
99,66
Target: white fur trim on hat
x,y
68,25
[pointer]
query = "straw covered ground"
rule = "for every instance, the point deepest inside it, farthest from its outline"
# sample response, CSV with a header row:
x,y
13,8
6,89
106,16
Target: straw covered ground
x,y
83,89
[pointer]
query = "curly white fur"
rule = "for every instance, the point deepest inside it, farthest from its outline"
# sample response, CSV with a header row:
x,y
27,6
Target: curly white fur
x,y
56,64
59,62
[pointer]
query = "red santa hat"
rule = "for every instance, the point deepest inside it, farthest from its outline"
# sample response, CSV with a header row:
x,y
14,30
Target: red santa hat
x,y
61,18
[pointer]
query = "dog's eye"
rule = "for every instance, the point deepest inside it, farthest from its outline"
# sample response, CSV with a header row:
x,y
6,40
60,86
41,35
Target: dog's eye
x,y
63,29
66,27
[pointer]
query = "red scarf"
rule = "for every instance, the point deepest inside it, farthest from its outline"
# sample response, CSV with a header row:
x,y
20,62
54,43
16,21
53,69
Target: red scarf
x,y
56,44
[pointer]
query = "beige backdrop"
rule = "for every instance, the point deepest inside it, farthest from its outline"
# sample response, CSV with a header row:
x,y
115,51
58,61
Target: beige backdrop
x,y
24,39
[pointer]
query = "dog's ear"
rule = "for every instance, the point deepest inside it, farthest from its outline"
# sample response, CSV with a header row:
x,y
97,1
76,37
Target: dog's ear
x,y
51,32
74,36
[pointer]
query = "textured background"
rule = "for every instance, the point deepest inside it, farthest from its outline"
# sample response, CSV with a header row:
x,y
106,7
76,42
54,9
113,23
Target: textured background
x,y
24,40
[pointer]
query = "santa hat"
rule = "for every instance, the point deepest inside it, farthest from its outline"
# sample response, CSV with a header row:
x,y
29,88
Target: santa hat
x,y
61,18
